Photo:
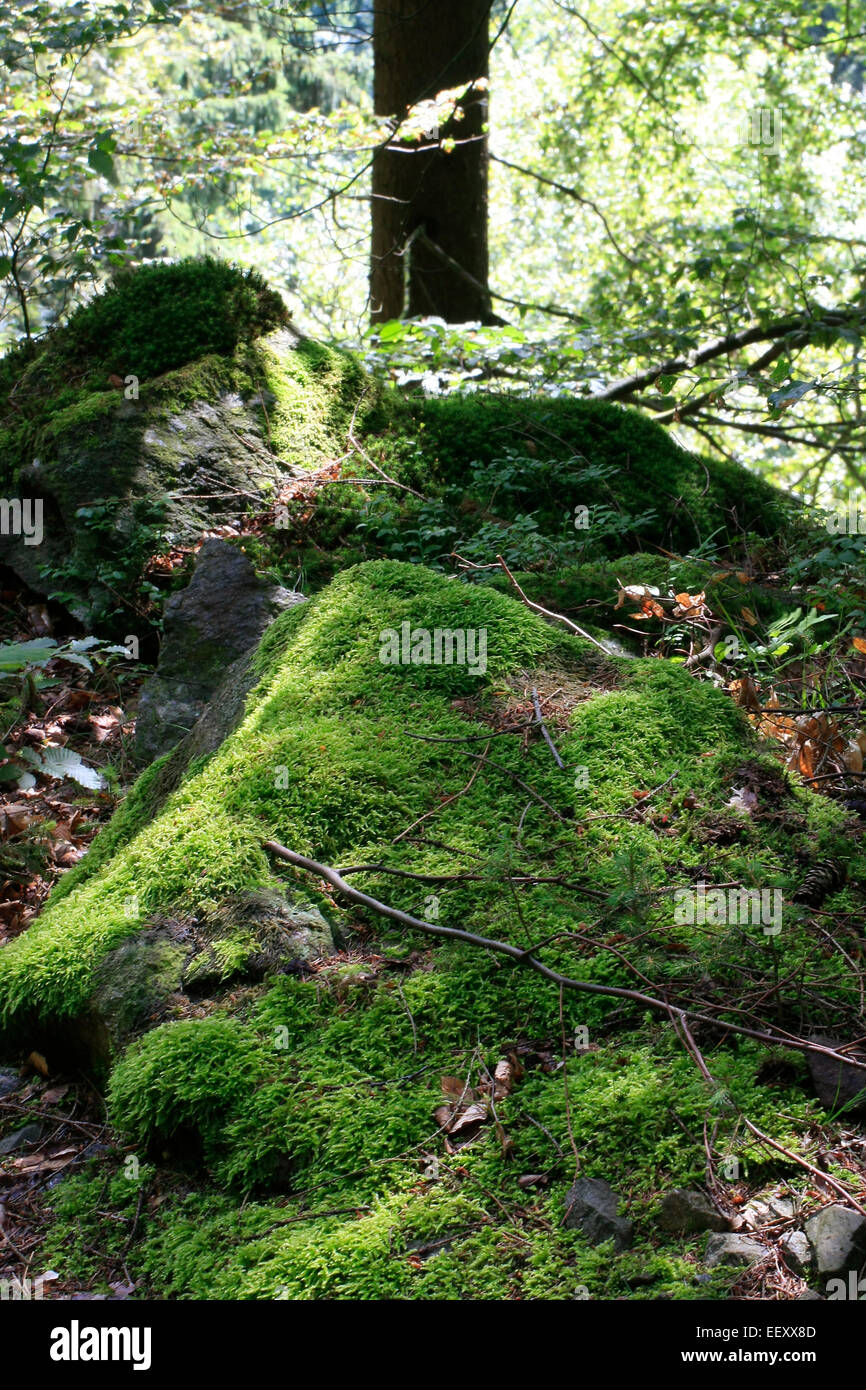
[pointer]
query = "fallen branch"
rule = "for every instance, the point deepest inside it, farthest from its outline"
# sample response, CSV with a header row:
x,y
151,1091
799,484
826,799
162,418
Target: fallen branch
x,y
521,957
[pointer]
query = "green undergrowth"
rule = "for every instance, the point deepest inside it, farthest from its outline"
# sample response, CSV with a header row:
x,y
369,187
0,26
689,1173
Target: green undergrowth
x,y
552,486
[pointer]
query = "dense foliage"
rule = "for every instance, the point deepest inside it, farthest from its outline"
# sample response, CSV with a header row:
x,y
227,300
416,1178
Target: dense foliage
x,y
655,185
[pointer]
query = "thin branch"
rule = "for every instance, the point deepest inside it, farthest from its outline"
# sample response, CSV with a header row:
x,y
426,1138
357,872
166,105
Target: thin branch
x,y
573,194
547,739
536,607
521,957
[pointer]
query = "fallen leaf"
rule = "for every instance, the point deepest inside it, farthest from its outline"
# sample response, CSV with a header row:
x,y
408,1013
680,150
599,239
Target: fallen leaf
x,y
471,1118
38,1063
503,1078
454,1086
808,758
55,1094
745,694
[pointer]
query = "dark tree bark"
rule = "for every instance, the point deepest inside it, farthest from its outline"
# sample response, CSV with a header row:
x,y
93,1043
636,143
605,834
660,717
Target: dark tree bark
x,y
422,47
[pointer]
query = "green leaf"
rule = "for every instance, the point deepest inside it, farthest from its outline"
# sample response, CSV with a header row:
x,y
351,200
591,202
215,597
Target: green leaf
x,y
791,393
63,762
16,656
392,332
102,163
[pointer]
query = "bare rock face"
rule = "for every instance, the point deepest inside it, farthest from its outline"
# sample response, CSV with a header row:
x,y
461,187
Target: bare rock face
x,y
218,617
591,1207
837,1085
685,1211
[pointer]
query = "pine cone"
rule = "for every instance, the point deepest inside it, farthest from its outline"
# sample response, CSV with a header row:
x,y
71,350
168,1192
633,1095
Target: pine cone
x,y
826,876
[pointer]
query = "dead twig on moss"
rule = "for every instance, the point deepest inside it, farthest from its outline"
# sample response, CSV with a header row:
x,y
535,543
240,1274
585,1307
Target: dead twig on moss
x,y
541,724
521,957
536,607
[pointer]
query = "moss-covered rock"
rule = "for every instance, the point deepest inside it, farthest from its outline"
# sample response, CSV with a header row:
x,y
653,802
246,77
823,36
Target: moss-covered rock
x,y
327,1079
132,437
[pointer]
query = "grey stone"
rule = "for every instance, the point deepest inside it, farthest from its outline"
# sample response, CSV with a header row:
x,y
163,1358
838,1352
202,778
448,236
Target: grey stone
x,y
809,1296
30,1134
151,976
837,1236
797,1252
9,1081
837,1085
686,1210
266,934
591,1207
765,1210
207,627
733,1249
135,984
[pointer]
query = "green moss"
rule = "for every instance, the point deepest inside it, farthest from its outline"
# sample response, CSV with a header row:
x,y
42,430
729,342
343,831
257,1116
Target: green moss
x,y
157,317
502,476
316,390
322,1090
185,1079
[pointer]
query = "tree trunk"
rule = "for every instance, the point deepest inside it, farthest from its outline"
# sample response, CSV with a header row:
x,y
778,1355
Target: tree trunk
x,y
422,47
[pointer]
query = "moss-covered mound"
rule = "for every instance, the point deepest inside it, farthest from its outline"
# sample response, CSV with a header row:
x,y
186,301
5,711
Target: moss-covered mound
x,y
158,317
172,402
552,486
288,1129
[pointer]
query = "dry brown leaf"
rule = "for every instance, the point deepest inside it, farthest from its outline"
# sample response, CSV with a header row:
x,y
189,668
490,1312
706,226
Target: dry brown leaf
x,y
103,726
38,1063
503,1079
859,643
55,1094
748,617
35,1164
852,757
808,758
454,1086
689,605
745,694
471,1118
76,698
